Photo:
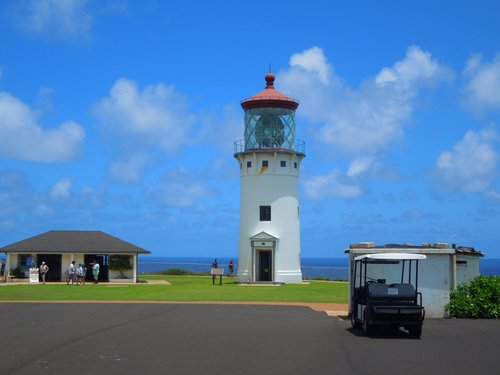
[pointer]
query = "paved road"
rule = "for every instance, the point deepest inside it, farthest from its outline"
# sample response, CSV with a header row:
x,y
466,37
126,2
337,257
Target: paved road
x,y
81,338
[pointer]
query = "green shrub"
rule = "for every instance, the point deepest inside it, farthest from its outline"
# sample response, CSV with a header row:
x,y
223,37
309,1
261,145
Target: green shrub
x,y
478,299
120,263
174,271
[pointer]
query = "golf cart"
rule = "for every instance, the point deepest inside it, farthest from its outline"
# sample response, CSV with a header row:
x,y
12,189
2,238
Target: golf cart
x,y
392,301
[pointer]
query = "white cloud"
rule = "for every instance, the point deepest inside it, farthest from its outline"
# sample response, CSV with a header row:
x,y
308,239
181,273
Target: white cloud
x,y
367,120
471,165
131,169
143,122
359,123
22,137
61,190
482,91
155,116
334,185
415,68
178,188
312,61
59,18
359,166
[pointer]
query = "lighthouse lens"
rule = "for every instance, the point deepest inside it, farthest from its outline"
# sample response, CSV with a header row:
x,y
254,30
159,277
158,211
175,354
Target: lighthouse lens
x,y
269,131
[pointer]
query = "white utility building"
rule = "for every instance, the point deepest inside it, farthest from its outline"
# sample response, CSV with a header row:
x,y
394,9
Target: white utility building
x,y
446,267
269,159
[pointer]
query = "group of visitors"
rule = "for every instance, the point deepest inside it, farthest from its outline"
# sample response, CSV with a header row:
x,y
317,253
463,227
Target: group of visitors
x,y
81,271
76,275
230,266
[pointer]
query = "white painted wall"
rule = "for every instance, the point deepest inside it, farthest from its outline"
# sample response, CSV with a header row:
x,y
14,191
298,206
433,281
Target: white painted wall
x,y
466,272
277,187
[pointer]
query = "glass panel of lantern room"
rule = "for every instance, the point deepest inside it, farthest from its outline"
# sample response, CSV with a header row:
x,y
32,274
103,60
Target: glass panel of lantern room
x,y
269,128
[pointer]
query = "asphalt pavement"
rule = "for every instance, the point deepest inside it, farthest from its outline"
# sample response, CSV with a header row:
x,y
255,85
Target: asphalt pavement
x,y
102,338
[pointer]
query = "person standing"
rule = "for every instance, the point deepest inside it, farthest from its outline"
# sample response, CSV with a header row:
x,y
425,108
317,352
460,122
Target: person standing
x,y
3,276
43,271
84,268
95,272
79,274
231,268
71,273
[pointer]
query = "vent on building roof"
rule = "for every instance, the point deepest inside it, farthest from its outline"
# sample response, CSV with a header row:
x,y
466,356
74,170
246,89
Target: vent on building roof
x,y
442,245
362,245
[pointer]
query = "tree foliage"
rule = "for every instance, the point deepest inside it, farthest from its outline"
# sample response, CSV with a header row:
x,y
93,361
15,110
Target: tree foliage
x,y
478,299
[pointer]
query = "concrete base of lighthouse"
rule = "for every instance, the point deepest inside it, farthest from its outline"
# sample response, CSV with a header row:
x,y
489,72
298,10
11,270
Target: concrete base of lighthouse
x,y
263,262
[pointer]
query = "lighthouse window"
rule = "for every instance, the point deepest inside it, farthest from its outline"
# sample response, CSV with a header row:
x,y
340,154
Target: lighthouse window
x,y
265,213
283,163
265,163
295,165
249,164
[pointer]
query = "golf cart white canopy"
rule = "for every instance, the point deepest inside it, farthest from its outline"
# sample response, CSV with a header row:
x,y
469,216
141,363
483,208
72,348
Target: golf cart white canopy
x,y
392,256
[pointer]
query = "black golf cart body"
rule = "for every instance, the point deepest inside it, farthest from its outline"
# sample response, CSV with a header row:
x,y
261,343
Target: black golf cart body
x,y
386,298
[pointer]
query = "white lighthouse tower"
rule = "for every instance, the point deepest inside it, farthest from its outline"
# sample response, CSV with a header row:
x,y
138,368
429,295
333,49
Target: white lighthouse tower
x,y
269,158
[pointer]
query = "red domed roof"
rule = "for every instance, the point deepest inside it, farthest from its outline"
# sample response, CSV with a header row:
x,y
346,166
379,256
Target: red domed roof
x,y
269,97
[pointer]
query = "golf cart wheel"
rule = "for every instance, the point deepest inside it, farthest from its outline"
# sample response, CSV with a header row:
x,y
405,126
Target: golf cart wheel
x,y
415,331
354,323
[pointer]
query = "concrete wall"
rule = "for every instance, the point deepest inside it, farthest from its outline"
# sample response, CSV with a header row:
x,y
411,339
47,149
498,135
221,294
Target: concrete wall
x,y
467,271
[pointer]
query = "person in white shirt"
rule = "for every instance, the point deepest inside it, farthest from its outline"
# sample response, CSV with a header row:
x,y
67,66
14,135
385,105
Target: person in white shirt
x,y
71,273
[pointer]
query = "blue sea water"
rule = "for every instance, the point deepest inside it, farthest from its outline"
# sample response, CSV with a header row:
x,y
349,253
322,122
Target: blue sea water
x,y
332,268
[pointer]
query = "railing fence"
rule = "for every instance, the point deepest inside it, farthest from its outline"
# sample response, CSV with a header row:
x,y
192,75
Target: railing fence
x,y
308,272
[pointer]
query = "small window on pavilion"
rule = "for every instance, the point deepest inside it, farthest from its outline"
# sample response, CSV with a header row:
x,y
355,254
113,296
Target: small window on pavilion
x,y
283,163
265,163
249,164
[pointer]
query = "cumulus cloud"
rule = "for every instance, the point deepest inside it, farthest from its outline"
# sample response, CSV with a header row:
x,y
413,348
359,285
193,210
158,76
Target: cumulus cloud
x,y
130,169
362,121
60,18
359,123
312,61
22,137
178,188
61,190
155,116
482,90
359,166
471,165
141,122
333,185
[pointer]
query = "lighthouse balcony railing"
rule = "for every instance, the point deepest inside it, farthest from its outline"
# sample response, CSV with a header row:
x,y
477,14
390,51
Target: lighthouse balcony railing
x,y
241,146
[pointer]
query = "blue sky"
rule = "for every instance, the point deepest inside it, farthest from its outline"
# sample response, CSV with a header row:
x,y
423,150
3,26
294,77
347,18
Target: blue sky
x,y
120,116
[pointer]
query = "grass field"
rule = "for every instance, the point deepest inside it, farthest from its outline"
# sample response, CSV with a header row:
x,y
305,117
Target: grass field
x,y
181,288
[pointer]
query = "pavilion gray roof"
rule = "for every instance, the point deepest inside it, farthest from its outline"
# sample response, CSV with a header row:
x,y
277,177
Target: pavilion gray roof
x,y
74,241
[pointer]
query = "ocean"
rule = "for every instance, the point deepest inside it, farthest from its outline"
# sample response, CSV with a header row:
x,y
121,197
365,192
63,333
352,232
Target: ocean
x,y
331,268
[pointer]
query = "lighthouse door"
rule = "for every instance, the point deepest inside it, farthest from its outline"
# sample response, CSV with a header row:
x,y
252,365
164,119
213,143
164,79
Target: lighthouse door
x,y
265,265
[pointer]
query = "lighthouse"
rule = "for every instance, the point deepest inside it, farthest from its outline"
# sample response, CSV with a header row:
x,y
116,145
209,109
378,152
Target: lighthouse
x,y
269,159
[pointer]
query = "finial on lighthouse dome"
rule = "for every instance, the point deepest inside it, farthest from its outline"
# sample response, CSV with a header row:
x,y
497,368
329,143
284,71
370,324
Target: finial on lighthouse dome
x,y
270,80
269,97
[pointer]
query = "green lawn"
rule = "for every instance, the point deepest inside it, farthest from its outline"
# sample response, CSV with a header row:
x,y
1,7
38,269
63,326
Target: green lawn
x,y
181,288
